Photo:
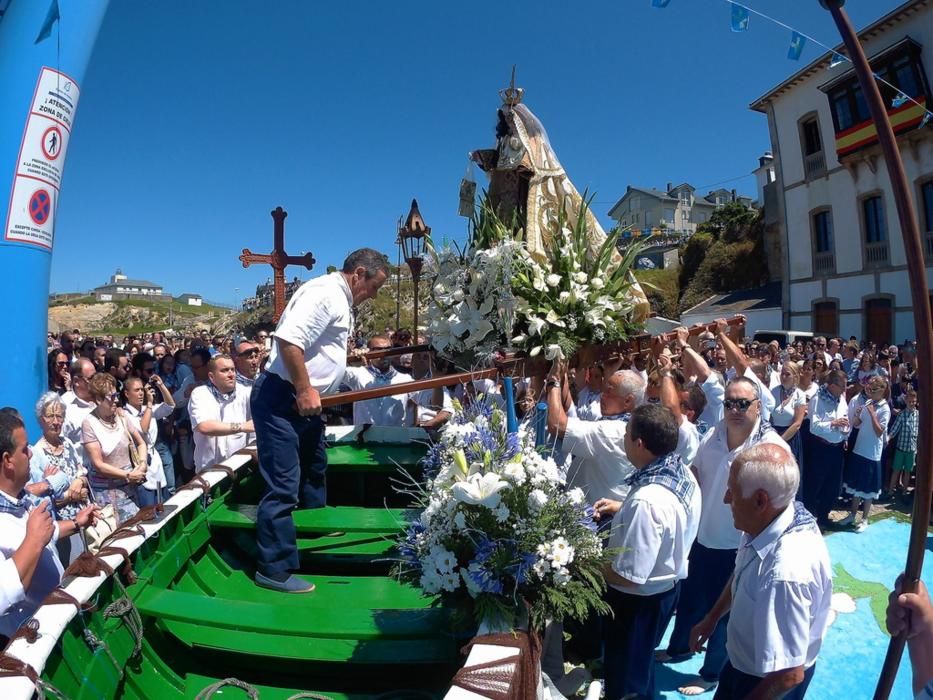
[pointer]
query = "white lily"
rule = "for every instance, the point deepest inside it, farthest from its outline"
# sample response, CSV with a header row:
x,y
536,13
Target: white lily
x,y
553,280
480,489
553,352
535,325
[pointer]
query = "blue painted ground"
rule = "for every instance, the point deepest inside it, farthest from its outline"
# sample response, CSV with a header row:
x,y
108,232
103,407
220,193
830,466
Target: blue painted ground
x,y
855,645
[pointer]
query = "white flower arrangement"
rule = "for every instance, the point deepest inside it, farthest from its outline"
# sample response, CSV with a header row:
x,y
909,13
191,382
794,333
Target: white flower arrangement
x,y
499,528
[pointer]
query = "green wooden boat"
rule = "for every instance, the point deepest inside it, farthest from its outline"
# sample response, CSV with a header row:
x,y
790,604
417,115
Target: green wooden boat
x,y
193,618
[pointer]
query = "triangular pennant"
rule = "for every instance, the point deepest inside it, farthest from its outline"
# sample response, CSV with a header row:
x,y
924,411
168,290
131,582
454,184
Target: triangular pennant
x,y
797,42
899,101
739,18
51,17
660,3
837,59
926,119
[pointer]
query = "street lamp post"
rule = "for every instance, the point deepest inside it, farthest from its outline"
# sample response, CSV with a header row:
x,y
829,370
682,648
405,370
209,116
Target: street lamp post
x,y
398,276
413,236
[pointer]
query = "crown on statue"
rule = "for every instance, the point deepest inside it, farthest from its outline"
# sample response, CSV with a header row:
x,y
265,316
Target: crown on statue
x,y
512,95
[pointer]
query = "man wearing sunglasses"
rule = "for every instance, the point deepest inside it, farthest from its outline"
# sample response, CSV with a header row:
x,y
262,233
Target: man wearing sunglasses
x,y
712,557
246,359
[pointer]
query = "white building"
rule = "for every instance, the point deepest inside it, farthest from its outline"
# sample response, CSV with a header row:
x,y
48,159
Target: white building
x,y
843,256
676,210
191,299
120,284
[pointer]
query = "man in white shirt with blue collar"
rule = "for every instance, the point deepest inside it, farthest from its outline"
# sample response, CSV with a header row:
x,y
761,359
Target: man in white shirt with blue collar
x,y
307,360
780,592
29,564
379,372
652,531
713,554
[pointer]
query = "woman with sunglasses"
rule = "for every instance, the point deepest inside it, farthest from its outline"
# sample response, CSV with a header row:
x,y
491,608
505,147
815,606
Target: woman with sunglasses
x,y
108,439
863,468
59,377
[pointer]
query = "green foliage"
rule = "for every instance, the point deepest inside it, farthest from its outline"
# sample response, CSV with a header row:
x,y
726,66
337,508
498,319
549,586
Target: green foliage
x,y
726,253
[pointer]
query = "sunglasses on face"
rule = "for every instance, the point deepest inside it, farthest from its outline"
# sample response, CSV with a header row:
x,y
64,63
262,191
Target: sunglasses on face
x,y
740,405
250,353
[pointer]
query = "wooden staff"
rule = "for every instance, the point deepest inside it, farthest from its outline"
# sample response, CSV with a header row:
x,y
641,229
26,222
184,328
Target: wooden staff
x,y
913,249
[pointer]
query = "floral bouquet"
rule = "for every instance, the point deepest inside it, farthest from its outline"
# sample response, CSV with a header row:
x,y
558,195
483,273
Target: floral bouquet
x,y
499,529
495,296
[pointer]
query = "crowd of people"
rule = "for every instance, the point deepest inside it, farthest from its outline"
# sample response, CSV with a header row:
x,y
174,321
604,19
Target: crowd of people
x,y
713,466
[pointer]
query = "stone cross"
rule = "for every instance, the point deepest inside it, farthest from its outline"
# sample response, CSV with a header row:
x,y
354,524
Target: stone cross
x,y
279,260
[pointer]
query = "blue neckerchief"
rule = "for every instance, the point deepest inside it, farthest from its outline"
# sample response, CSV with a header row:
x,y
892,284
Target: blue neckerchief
x,y
380,376
243,380
803,520
624,417
220,396
669,472
17,506
825,395
702,427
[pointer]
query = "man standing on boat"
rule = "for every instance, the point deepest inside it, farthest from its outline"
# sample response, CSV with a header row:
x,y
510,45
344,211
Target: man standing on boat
x,y
308,360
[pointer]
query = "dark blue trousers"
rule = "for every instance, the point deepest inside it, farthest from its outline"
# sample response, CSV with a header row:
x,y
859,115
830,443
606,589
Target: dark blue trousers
x,y
631,635
822,477
708,575
735,685
293,465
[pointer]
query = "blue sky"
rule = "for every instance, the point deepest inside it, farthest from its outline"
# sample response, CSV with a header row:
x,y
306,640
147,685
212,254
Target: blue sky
x,y
198,118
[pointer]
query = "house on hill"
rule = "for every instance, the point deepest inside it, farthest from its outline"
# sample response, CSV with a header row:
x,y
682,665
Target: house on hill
x,y
191,299
122,287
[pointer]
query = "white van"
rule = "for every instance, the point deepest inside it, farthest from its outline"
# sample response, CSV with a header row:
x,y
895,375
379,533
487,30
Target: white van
x,y
783,337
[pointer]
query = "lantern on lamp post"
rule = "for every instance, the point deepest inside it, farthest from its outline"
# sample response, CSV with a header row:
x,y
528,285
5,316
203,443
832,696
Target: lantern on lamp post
x,y
413,236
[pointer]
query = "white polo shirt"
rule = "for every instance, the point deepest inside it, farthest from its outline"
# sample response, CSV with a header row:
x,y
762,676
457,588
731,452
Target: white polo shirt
x,y
655,533
202,406
712,464
781,595
388,410
764,394
688,441
822,412
319,320
48,574
588,404
599,465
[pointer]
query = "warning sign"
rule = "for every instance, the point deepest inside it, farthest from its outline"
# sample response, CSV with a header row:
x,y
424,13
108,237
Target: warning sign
x,y
31,216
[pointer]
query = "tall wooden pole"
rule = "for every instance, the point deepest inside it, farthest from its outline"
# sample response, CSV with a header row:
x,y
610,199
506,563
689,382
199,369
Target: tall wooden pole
x,y
913,249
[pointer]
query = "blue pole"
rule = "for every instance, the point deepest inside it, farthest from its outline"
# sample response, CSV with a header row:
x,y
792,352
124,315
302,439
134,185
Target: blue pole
x,y
511,419
45,46
541,425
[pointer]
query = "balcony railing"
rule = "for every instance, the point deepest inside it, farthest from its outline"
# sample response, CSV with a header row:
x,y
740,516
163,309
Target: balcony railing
x,y
824,263
876,253
815,165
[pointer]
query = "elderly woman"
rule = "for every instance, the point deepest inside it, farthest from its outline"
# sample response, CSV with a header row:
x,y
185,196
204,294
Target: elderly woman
x,y
790,408
108,438
144,417
863,468
57,470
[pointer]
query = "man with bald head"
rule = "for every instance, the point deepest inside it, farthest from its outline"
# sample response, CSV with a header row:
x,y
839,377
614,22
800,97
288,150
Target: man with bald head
x,y
388,410
713,554
600,465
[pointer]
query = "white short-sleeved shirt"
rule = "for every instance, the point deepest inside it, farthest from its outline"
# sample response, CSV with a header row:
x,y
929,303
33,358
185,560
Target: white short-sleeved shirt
x,y
47,576
599,465
319,320
202,406
822,412
588,404
424,399
388,410
810,391
655,533
764,394
155,474
712,464
76,410
868,444
11,586
783,413
715,392
781,595
688,441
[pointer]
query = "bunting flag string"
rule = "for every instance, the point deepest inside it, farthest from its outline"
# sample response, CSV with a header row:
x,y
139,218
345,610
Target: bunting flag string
x,y
739,20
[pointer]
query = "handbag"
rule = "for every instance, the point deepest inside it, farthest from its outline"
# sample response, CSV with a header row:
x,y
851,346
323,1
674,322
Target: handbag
x,y
106,525
139,454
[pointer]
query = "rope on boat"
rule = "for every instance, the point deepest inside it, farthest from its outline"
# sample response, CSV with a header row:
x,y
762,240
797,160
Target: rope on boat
x,y
126,610
96,645
11,667
209,691
310,695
